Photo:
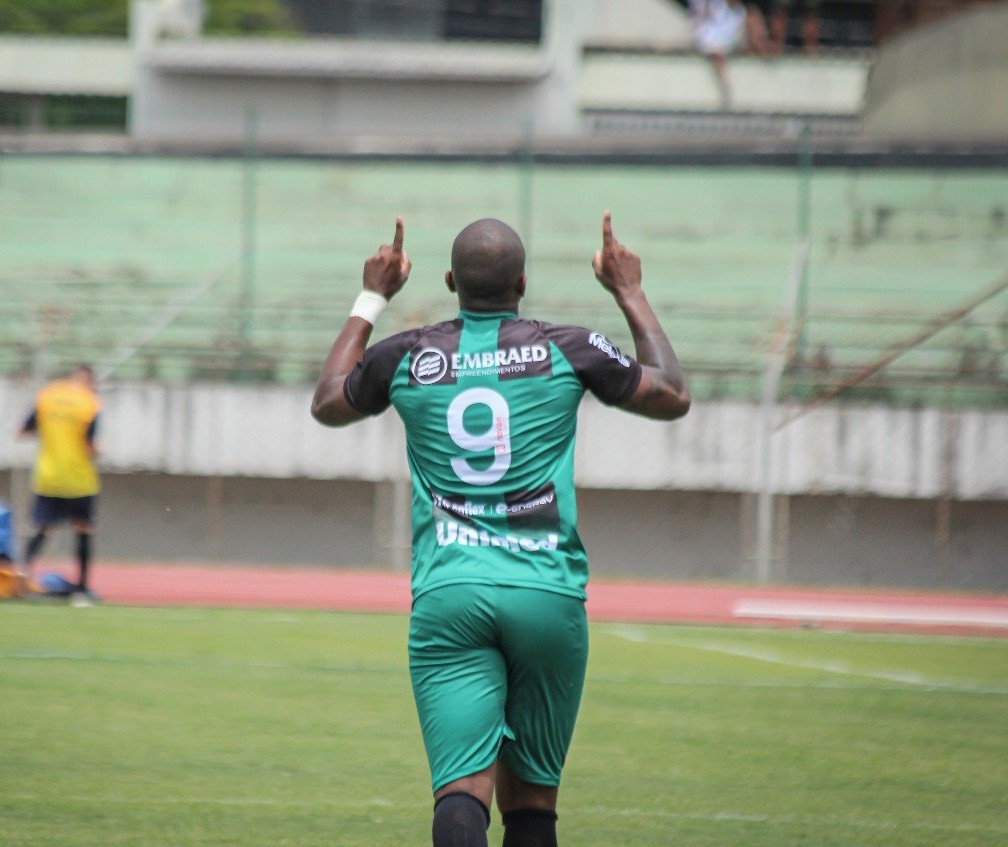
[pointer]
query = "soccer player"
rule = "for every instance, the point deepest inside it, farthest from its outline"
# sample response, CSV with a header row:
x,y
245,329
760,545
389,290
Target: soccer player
x,y
65,481
498,639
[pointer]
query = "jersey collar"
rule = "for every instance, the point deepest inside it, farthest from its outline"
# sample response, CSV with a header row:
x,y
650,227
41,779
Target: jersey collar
x,y
487,315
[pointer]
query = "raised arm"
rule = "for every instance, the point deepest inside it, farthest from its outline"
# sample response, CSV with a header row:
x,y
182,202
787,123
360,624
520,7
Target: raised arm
x,y
662,391
385,273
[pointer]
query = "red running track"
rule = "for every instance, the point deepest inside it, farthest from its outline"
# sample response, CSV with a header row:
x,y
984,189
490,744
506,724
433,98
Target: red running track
x,y
192,584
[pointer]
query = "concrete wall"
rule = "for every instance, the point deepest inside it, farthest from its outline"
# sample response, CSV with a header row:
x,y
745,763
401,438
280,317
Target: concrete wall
x,y
216,429
323,91
636,23
330,88
85,66
679,82
867,495
663,535
215,108
945,82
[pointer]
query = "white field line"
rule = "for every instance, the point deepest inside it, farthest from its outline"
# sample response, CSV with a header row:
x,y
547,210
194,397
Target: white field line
x,y
839,668
903,678
871,612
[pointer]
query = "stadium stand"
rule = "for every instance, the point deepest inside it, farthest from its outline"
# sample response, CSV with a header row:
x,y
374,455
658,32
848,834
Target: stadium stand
x,y
241,270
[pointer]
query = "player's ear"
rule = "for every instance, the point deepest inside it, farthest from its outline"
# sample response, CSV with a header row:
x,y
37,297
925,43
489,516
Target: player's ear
x,y
520,287
449,280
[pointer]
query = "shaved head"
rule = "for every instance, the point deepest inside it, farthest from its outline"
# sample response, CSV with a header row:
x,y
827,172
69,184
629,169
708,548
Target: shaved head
x,y
488,265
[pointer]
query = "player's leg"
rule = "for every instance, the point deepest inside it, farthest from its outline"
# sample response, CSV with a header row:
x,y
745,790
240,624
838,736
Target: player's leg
x,y
35,544
82,511
528,811
480,785
462,811
84,533
459,685
44,514
545,642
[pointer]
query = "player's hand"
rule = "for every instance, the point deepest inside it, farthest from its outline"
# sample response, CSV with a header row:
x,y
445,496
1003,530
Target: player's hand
x,y
387,270
616,267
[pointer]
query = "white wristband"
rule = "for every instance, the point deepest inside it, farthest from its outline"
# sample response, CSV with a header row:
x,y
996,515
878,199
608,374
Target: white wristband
x,y
368,305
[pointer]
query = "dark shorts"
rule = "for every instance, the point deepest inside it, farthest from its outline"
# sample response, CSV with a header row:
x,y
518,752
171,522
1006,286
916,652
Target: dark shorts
x,y
497,671
54,510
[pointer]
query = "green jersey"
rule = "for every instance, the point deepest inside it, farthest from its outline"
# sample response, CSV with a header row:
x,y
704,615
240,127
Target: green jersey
x,y
489,402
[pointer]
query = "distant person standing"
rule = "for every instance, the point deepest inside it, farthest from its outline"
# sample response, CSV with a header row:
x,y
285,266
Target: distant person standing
x,y
65,481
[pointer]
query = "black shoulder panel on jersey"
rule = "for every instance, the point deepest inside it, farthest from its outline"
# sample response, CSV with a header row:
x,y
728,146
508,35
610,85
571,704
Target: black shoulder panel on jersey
x,y
367,386
524,350
602,368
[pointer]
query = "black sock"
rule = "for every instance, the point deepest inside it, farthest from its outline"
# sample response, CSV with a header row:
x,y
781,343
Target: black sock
x,y
34,545
529,828
83,558
460,820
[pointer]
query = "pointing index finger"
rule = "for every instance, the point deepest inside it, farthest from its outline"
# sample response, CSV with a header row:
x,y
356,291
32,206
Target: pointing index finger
x,y
607,234
397,241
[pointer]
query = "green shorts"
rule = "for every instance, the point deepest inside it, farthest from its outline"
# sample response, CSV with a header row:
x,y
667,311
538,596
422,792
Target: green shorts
x,y
497,671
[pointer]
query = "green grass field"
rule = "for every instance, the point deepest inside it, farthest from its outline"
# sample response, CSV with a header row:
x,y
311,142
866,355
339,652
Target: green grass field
x,y
220,727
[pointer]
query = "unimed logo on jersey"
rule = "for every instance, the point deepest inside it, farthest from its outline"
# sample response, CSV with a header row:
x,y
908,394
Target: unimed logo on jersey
x,y
597,339
429,365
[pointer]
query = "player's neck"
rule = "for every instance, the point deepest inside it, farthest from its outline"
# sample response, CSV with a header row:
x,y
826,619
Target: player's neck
x,y
494,307
484,314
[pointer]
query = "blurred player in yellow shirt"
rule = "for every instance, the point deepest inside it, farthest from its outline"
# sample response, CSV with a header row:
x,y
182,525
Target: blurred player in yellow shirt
x,y
64,479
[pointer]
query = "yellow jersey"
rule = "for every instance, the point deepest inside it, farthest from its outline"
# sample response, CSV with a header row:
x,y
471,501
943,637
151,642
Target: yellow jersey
x,y
65,417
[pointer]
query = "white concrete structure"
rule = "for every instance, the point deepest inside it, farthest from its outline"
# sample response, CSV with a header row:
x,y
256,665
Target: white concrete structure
x,y
596,59
945,82
80,66
227,430
941,83
680,82
315,91
866,494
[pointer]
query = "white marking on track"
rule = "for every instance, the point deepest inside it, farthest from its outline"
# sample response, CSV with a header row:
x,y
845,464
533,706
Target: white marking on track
x,y
853,611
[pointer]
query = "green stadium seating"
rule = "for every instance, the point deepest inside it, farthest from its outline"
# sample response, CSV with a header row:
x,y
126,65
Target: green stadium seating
x,y
101,251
